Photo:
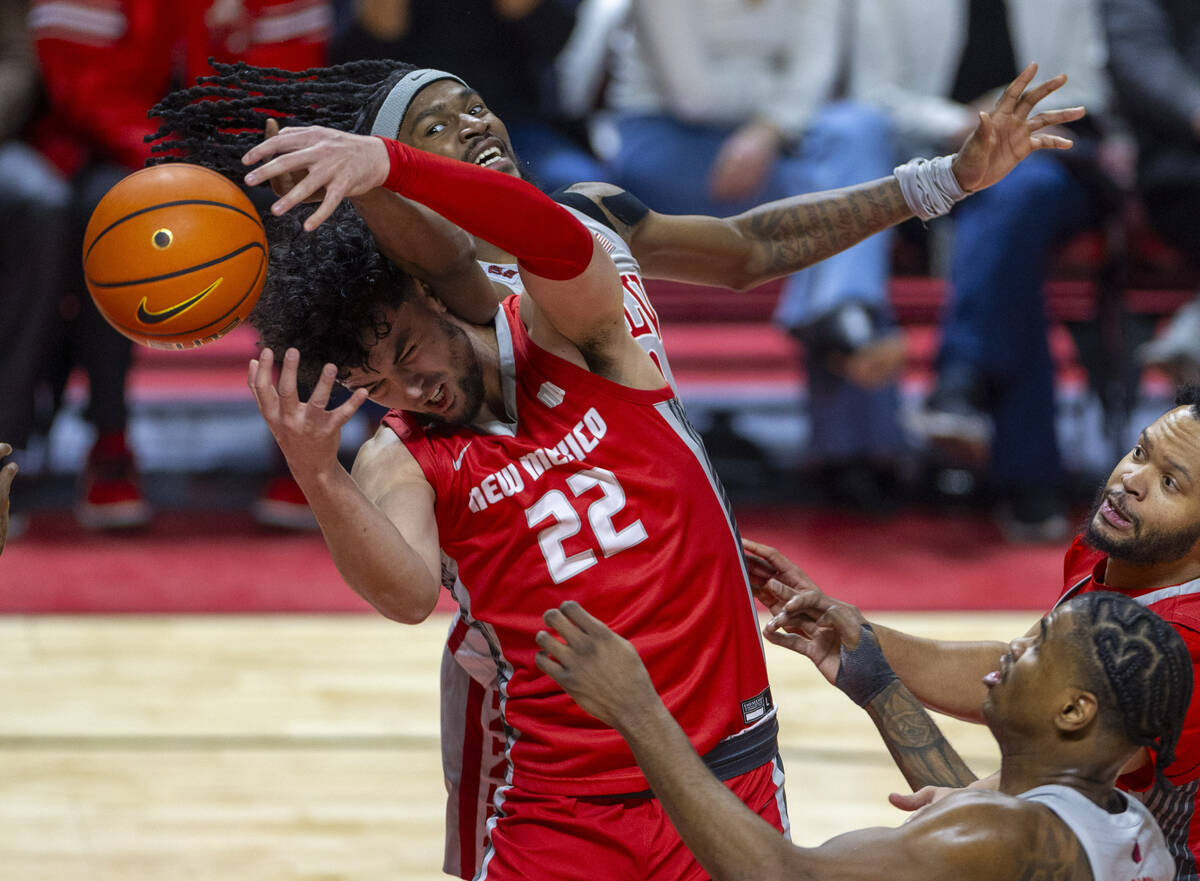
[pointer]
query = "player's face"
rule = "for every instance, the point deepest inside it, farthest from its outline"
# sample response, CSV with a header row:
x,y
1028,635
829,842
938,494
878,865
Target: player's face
x,y
1022,692
451,120
1148,512
425,364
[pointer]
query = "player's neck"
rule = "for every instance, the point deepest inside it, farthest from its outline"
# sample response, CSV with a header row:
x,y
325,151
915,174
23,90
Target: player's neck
x,y
1123,575
489,253
487,350
1028,769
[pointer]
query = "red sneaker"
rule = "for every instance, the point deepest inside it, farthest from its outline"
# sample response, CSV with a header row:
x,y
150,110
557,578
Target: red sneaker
x,y
283,506
112,497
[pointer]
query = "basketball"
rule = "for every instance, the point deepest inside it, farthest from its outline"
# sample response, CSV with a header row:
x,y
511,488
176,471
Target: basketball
x,y
175,256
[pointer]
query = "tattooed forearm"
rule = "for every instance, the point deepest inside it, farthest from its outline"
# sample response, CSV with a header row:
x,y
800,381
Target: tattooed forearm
x,y
917,745
790,234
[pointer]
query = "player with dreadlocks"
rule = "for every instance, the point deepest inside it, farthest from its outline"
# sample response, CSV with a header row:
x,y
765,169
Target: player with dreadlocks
x,y
1142,539
545,452
1069,706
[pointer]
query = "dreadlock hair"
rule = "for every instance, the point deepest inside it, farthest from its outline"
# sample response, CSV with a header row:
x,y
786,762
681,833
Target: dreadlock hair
x,y
1189,396
327,292
214,122
1137,663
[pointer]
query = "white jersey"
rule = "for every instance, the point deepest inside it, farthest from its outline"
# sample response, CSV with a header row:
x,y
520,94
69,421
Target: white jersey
x,y
1127,846
640,317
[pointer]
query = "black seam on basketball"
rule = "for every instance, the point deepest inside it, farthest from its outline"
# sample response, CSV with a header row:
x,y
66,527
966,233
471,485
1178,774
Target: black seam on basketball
x,y
254,217
178,272
141,330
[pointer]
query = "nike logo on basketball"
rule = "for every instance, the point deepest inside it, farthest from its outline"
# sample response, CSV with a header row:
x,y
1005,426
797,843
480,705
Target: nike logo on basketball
x,y
458,461
148,317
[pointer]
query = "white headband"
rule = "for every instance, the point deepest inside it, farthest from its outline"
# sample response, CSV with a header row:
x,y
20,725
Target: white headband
x,y
395,105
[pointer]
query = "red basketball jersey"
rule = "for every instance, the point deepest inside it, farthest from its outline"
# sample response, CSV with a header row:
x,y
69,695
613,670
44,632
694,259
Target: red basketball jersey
x,y
605,495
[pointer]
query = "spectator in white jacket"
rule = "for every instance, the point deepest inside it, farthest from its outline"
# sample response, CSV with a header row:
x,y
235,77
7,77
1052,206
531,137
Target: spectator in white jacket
x,y
724,104
932,65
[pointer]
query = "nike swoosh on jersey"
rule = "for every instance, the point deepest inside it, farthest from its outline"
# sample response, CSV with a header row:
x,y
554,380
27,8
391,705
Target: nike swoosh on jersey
x,y
463,452
148,317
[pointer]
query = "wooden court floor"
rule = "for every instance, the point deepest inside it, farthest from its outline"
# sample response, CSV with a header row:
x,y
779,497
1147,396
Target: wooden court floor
x,y
305,748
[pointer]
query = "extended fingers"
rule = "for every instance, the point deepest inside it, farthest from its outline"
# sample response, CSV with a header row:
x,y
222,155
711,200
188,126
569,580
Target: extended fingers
x,y
282,141
1056,117
1011,95
565,627
260,382
287,374
7,473
1051,142
1031,98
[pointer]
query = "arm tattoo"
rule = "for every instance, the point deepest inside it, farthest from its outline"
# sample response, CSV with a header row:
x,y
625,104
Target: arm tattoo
x,y
917,745
1056,855
791,234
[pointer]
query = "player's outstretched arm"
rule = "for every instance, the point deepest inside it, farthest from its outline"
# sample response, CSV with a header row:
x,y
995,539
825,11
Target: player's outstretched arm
x,y
917,745
569,278
7,473
393,565
419,241
944,675
785,236
980,840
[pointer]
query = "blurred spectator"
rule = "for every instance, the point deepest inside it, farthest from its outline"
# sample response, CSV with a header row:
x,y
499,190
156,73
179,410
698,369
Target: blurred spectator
x,y
932,65
1154,60
104,64
34,206
511,45
722,106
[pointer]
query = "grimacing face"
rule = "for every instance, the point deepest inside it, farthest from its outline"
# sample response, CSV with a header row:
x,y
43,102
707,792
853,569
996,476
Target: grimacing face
x,y
451,120
1148,511
425,364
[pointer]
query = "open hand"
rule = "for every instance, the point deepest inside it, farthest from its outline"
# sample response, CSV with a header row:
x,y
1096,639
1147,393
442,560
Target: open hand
x,y
773,577
600,670
1008,134
311,159
816,626
307,433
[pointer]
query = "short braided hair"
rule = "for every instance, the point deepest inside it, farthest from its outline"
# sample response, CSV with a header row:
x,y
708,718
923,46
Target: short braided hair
x,y
1139,663
221,117
326,291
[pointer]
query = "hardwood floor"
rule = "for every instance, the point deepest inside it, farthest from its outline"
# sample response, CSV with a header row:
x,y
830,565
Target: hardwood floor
x,y
305,748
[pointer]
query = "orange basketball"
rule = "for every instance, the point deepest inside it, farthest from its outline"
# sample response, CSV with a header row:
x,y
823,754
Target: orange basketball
x,y
175,256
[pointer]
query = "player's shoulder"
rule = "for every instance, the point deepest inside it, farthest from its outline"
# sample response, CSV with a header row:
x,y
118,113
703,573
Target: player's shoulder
x,y
1014,833
384,460
616,208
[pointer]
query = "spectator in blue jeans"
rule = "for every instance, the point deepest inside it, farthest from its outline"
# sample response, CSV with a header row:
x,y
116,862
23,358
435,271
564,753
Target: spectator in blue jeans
x,y
721,107
932,65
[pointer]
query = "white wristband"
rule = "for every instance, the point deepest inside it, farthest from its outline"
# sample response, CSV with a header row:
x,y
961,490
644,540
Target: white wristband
x,y
929,186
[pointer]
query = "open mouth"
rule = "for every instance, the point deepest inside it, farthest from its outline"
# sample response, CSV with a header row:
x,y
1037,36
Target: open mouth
x,y
438,400
489,156
1114,515
997,676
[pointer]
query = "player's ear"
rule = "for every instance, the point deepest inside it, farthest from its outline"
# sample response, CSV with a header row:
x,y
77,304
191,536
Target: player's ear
x,y
1076,710
425,296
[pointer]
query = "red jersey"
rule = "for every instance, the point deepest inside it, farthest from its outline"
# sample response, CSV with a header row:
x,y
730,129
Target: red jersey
x,y
1178,605
603,494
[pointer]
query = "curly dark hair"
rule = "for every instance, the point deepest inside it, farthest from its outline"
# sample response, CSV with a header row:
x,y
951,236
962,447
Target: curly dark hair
x,y
327,291
1136,662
